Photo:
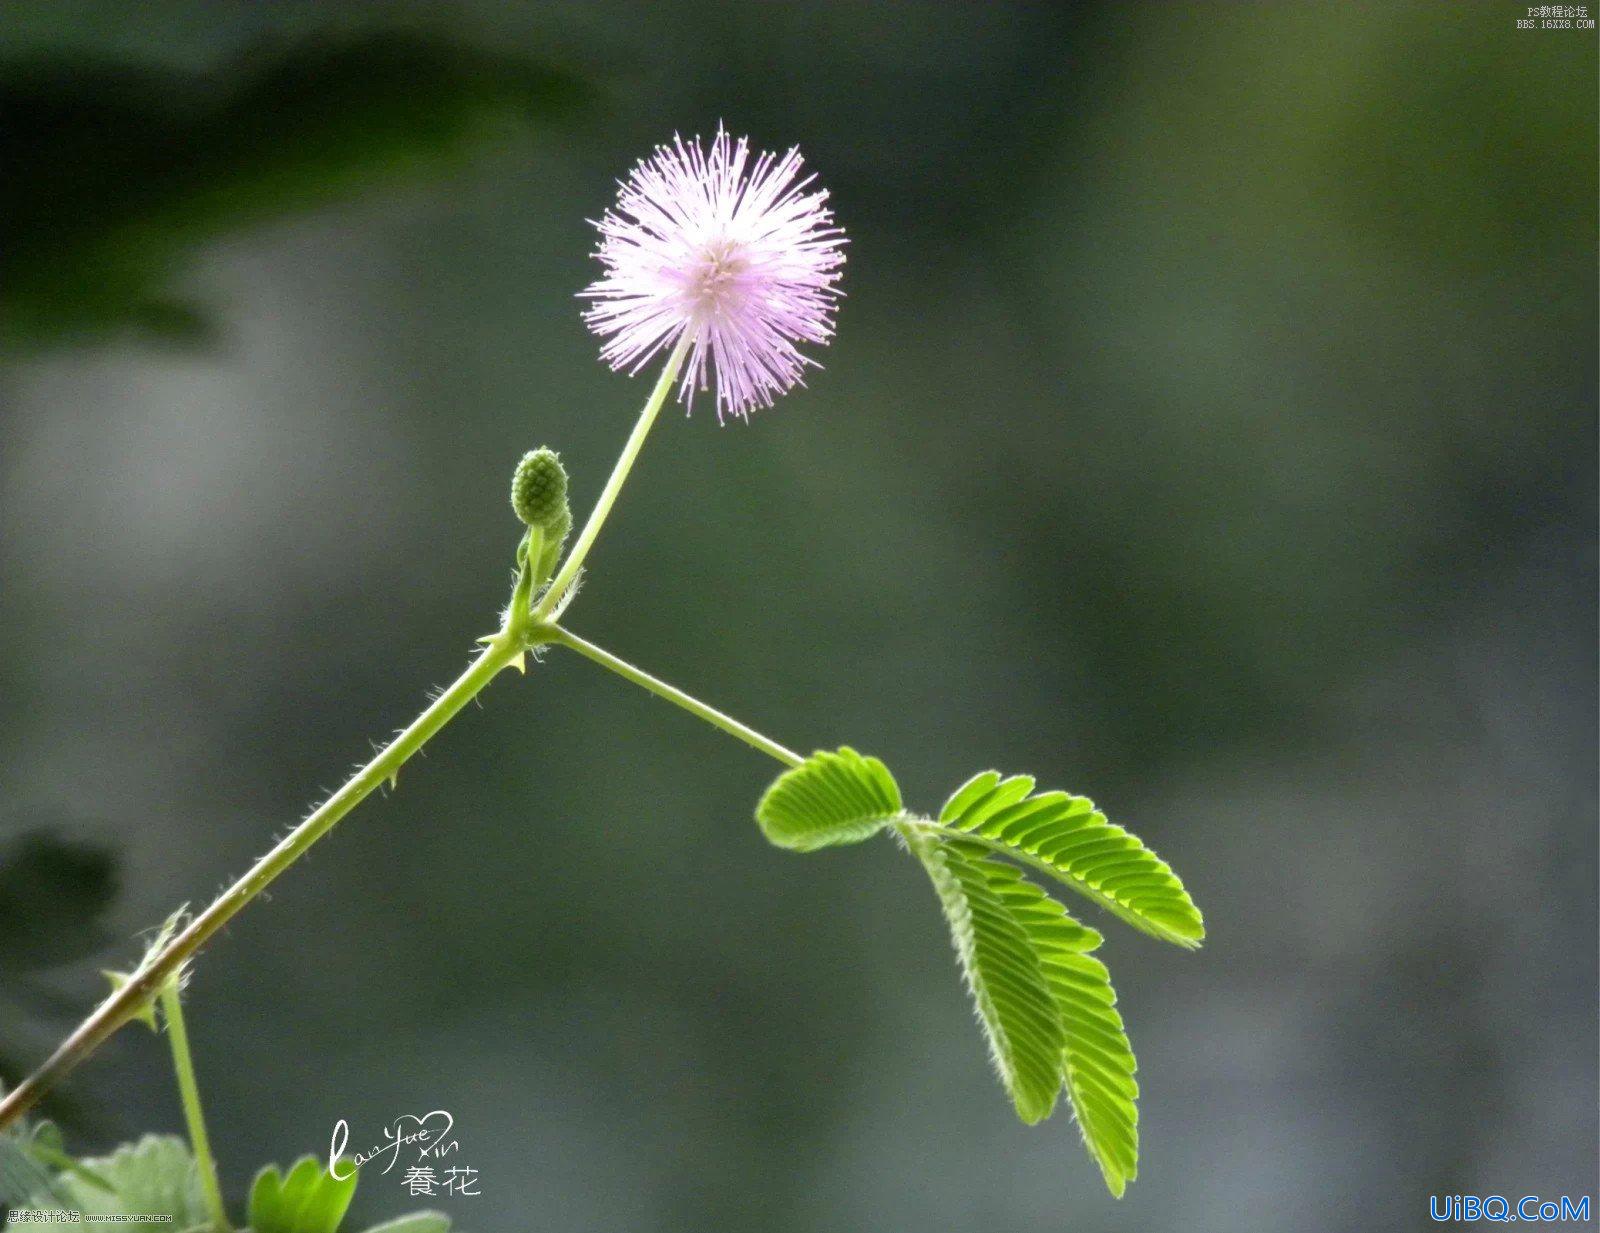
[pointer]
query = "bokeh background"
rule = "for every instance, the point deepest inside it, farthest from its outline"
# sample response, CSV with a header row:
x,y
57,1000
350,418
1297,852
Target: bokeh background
x,y
1210,430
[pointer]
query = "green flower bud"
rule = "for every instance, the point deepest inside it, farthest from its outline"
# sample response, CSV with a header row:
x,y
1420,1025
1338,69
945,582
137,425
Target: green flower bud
x,y
539,491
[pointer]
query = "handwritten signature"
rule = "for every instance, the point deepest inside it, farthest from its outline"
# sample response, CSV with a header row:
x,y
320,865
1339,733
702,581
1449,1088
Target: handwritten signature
x,y
428,1134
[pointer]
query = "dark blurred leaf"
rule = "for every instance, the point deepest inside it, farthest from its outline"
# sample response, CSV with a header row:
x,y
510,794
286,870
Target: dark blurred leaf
x,y
114,174
53,893
21,1176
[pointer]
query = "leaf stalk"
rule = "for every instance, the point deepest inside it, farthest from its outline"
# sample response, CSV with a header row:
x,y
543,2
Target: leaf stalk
x,y
189,1092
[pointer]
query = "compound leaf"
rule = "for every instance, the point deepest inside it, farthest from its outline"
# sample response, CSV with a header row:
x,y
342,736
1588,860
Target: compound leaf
x,y
1045,1003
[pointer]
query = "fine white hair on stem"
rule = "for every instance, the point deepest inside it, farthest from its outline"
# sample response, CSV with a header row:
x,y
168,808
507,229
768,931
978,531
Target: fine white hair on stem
x,y
739,253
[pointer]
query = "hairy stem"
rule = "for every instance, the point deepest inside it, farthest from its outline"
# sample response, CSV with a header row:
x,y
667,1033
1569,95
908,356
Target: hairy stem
x,y
193,1116
619,474
152,975
714,717
522,629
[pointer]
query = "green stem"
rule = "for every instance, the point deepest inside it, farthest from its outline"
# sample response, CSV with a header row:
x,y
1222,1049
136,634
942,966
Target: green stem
x,y
152,975
714,717
521,630
193,1115
918,839
619,474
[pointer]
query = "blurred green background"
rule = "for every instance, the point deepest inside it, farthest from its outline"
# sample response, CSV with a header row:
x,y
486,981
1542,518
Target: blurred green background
x,y
1210,429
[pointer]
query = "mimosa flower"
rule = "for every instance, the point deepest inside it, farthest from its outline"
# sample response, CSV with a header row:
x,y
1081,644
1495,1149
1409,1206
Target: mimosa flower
x,y
740,256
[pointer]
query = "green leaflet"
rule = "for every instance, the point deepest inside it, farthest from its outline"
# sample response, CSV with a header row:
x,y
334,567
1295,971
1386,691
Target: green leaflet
x,y
830,798
1004,974
306,1199
1046,1005
1068,838
1097,1060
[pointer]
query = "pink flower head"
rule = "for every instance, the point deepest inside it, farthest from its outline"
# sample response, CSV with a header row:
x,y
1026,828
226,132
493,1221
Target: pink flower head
x,y
736,254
